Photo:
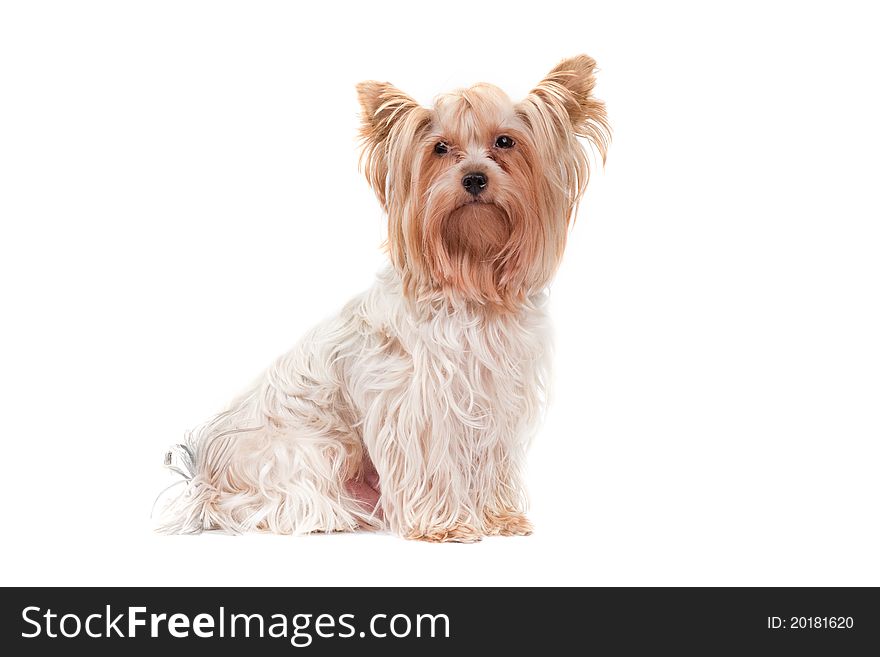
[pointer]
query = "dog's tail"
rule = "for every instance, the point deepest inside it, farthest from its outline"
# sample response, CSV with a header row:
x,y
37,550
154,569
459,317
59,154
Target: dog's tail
x,y
181,460
206,452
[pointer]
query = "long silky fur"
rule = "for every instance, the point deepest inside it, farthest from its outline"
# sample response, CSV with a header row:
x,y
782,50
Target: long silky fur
x,y
446,403
412,409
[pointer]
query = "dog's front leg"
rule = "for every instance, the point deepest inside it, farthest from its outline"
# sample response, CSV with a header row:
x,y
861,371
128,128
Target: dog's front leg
x,y
424,489
504,510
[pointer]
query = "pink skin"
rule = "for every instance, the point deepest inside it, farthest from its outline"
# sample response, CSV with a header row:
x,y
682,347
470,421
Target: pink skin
x,y
365,489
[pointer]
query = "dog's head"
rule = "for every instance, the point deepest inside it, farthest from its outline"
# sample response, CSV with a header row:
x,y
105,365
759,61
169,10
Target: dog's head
x,y
480,190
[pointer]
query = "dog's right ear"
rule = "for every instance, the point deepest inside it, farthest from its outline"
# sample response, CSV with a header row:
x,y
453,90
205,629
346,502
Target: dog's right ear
x,y
385,112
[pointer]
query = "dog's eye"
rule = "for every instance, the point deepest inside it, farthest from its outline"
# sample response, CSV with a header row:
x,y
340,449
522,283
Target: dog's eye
x,y
504,142
440,148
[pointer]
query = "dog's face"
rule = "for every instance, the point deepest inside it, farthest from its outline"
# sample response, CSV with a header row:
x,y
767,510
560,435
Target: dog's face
x,y
480,190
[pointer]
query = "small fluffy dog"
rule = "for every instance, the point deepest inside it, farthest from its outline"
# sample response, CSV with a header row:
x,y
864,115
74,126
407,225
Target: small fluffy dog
x,y
412,409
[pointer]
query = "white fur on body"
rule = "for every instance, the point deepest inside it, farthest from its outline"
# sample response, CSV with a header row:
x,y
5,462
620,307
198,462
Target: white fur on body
x,y
440,398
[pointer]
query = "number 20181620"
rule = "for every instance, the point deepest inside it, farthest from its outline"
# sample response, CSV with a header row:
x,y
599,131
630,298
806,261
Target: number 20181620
x,y
810,623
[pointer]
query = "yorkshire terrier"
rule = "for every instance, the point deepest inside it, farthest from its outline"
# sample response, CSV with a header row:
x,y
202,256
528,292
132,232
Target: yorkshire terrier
x,y
411,410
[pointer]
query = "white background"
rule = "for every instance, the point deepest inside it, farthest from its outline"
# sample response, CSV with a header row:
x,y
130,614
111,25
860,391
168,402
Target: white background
x,y
180,200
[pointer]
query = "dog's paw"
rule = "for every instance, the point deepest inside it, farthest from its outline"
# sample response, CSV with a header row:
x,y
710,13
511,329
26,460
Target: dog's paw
x,y
507,523
460,533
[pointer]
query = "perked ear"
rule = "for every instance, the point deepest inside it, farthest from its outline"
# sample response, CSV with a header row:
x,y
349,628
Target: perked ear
x,y
382,106
569,87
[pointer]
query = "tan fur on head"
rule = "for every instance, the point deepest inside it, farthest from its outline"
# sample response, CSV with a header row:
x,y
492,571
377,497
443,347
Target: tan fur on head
x,y
506,244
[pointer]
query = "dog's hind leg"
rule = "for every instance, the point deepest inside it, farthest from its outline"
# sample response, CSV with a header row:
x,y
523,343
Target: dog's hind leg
x,y
275,462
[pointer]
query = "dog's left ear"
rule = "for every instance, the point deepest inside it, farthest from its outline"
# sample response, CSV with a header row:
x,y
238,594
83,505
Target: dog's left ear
x,y
386,111
568,90
382,104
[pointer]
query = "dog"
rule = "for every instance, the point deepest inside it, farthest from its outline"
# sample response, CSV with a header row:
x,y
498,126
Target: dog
x,y
412,409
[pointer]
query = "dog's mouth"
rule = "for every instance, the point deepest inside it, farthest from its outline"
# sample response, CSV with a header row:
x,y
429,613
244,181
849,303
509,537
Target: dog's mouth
x,y
477,227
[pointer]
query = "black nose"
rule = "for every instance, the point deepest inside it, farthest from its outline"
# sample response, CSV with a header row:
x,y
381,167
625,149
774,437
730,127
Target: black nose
x,y
475,182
